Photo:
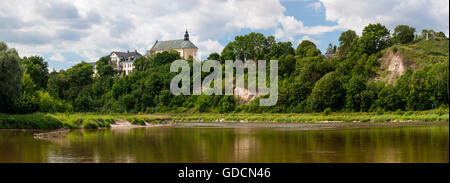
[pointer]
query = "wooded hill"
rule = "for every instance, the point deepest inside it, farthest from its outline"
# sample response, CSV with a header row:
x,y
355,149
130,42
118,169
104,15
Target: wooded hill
x,y
377,71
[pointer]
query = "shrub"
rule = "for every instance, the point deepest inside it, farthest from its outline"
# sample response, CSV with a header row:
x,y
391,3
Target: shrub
x,y
380,111
89,124
327,111
399,112
408,113
440,111
29,121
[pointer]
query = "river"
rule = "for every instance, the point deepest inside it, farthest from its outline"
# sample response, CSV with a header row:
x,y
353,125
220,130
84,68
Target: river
x,y
238,142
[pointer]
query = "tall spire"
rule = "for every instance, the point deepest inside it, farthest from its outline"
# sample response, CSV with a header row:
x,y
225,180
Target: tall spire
x,y
186,35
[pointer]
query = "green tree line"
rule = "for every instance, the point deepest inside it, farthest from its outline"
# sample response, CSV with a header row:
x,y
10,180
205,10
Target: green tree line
x,y
308,80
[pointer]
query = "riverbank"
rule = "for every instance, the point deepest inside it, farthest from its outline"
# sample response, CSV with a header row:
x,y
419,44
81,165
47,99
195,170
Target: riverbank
x,y
77,120
398,116
95,121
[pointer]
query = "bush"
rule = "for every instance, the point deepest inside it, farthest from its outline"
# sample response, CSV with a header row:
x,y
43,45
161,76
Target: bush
x,y
408,113
380,111
399,112
29,121
90,124
327,111
440,111
395,49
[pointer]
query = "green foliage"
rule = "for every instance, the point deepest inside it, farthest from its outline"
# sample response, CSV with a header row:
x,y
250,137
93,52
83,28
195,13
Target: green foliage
x,y
327,92
278,50
252,46
165,58
29,121
355,93
308,81
90,124
37,68
226,104
285,65
10,78
214,56
104,70
327,111
347,42
380,111
307,49
375,37
57,85
80,74
403,34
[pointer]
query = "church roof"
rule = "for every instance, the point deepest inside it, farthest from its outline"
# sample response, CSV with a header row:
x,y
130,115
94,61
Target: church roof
x,y
172,44
127,54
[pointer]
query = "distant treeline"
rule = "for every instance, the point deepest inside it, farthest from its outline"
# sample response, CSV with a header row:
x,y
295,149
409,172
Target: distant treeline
x,y
308,80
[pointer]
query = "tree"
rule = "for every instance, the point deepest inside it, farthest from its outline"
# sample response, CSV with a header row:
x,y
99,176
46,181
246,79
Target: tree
x,y
251,46
226,104
286,65
10,78
331,49
403,34
388,99
57,85
142,63
38,70
79,76
307,49
104,70
346,42
375,37
214,56
354,92
441,35
327,93
165,57
29,101
279,49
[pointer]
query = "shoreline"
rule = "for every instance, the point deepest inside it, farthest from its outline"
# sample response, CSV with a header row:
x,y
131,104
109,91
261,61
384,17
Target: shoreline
x,y
55,121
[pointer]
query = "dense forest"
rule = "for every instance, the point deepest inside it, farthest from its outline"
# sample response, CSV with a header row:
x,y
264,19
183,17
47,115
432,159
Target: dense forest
x,y
343,79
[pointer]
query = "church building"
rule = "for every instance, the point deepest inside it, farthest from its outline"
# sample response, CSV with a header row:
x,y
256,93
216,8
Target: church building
x,y
184,47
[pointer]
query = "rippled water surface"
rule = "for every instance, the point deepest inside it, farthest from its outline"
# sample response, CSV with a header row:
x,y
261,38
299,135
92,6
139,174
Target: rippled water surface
x,y
237,142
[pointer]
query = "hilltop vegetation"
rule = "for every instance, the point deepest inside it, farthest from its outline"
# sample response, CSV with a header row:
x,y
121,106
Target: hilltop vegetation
x,y
351,81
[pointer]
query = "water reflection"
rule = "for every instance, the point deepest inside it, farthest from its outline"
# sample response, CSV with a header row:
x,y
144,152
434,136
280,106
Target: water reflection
x,y
187,143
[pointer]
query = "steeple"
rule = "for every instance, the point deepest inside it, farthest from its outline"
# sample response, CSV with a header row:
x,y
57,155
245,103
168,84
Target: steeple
x,y
186,36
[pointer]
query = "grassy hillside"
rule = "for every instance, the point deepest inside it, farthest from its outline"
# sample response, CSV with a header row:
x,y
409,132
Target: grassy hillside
x,y
398,58
425,51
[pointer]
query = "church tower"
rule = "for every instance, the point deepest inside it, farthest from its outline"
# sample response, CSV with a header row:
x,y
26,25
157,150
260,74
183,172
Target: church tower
x,y
186,36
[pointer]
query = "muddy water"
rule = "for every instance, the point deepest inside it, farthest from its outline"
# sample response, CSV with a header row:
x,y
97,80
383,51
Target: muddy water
x,y
237,142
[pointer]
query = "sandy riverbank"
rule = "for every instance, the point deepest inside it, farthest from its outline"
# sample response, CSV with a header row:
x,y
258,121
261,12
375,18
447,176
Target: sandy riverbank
x,y
123,124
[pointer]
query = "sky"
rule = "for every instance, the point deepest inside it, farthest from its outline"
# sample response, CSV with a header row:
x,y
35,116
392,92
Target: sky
x,y
66,32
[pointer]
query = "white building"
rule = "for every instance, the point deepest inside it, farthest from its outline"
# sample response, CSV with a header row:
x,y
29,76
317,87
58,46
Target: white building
x,y
123,61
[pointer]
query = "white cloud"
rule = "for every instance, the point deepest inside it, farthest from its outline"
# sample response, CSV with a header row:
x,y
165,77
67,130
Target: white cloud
x,y
355,14
315,5
58,57
291,27
93,29
316,42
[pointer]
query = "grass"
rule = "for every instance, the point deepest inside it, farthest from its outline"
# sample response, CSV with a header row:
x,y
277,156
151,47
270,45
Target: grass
x,y
29,121
75,121
95,121
426,51
431,115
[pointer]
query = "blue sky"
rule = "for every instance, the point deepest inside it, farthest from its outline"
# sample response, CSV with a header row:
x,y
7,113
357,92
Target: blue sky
x,y
65,32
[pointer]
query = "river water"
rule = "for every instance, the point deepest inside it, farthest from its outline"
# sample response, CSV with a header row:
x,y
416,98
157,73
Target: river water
x,y
238,142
